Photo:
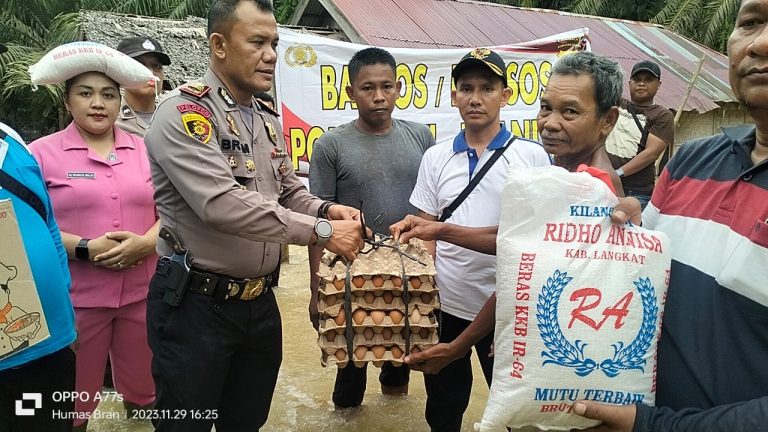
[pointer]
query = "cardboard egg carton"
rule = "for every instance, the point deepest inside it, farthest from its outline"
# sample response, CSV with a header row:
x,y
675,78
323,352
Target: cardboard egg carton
x,y
425,300
335,318
376,283
362,354
331,304
331,339
385,262
367,301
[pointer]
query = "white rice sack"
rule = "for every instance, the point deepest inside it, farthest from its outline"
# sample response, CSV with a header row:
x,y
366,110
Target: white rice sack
x,y
72,59
579,303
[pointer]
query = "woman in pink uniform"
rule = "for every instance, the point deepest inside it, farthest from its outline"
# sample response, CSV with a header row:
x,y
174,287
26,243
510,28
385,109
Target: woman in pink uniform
x,y
99,180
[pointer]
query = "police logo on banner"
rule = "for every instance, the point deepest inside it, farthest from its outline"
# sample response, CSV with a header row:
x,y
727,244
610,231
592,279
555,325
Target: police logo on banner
x,y
300,55
197,126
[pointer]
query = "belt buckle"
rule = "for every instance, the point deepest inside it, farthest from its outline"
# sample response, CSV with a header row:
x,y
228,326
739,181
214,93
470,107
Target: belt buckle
x,y
253,288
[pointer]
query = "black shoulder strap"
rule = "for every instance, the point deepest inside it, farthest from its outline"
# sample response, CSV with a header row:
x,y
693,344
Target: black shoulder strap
x,y
643,130
448,211
18,189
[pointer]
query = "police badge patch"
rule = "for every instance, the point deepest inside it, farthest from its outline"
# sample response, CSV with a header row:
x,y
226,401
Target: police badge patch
x,y
197,126
228,99
271,132
232,125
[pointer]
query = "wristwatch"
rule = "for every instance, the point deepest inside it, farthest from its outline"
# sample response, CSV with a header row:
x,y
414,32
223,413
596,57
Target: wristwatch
x,y
323,230
620,172
81,250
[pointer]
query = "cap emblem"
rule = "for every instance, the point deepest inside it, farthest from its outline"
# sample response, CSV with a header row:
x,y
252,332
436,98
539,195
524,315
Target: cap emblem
x,y
480,53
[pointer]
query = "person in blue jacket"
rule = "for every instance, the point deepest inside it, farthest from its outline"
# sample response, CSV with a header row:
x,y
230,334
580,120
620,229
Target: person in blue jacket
x,y
34,379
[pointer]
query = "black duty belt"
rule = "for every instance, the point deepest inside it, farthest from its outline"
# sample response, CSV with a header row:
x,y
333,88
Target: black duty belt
x,y
209,284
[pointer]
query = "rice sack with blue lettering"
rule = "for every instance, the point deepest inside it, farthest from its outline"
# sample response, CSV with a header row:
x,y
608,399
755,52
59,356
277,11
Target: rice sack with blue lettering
x,y
579,302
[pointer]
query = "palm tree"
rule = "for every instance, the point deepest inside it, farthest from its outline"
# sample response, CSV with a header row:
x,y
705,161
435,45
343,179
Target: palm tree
x,y
32,27
706,21
636,10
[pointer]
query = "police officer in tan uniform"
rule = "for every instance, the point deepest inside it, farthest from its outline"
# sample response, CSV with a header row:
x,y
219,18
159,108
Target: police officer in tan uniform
x,y
226,187
138,105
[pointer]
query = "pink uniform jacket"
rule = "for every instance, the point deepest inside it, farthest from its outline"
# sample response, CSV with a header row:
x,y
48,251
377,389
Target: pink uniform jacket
x,y
92,196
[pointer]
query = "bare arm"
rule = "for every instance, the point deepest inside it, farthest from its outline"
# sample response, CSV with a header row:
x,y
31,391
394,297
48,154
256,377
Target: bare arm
x,y
434,359
96,246
480,239
315,254
430,244
654,147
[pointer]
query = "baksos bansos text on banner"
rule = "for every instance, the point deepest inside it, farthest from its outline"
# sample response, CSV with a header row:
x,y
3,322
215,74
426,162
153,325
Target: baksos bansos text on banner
x,y
312,74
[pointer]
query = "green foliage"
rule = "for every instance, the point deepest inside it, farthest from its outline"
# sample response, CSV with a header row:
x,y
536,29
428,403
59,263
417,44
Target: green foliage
x,y
284,10
706,21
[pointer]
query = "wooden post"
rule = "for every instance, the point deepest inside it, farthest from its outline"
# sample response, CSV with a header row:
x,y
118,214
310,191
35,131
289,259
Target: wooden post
x,y
690,88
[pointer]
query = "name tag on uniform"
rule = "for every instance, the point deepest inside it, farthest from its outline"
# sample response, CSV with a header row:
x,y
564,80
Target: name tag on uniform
x,y
81,175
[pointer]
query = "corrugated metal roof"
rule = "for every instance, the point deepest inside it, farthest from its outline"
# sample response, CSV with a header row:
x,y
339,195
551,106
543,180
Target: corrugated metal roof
x,y
464,23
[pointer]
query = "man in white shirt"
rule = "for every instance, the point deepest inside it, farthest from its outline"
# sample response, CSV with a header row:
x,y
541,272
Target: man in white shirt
x,y
466,278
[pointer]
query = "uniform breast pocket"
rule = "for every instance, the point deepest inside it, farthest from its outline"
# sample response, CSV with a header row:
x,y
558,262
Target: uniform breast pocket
x,y
243,168
739,272
759,233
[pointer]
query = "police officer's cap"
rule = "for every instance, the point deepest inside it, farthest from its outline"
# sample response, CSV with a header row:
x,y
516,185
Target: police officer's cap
x,y
483,57
140,45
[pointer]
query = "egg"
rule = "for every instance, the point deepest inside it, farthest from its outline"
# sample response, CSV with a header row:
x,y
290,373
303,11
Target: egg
x,y
330,300
369,297
378,351
377,280
358,316
360,352
424,333
426,298
339,284
358,281
388,297
396,351
415,316
377,316
396,281
415,349
330,336
415,282
340,354
368,333
339,320
396,316
386,333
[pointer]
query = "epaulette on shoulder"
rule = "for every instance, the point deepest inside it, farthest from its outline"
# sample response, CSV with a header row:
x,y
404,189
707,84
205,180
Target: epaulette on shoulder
x,y
266,107
196,89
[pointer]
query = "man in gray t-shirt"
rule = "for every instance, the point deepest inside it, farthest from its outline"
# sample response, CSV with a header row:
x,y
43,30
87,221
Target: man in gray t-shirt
x,y
370,163
375,173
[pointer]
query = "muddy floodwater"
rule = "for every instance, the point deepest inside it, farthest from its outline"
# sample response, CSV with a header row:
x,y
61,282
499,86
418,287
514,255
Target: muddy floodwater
x,y
302,400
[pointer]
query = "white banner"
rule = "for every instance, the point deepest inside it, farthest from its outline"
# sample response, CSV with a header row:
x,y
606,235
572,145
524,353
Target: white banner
x,y
312,74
